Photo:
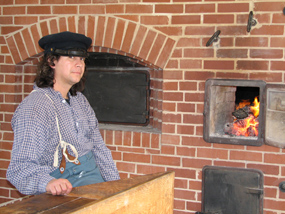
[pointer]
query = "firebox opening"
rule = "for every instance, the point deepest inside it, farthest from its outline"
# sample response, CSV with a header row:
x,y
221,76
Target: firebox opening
x,y
231,113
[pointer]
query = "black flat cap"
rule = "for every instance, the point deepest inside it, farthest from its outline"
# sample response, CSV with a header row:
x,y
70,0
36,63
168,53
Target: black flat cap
x,y
66,44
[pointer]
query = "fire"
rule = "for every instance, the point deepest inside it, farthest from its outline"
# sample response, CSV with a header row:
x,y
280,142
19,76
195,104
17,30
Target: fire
x,y
247,126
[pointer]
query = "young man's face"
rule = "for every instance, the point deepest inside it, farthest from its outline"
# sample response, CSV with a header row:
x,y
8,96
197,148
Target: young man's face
x,y
68,70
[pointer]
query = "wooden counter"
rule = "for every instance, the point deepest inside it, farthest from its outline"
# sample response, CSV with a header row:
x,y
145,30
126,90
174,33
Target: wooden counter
x,y
149,194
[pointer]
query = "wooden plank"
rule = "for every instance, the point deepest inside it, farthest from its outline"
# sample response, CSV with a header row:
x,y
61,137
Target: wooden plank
x,y
42,204
153,196
142,194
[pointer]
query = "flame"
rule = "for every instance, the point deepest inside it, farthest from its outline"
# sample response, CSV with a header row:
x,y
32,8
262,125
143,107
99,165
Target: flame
x,y
247,126
255,107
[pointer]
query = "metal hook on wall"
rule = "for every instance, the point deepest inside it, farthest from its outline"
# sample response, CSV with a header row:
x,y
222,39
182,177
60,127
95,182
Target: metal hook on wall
x,y
214,38
251,21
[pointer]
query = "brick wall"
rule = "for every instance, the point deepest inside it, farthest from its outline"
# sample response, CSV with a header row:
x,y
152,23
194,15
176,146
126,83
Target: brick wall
x,y
171,35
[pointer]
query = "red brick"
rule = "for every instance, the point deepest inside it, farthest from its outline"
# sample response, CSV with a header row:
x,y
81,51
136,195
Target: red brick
x,y
165,160
28,42
165,53
267,169
277,42
140,9
21,46
273,204
6,20
7,2
185,194
91,9
115,9
188,86
233,7
138,40
274,158
266,54
200,8
169,86
219,64
168,128
268,6
128,37
65,10
277,65
195,163
127,139
212,153
198,30
232,30
136,139
268,30
198,53
185,151
9,29
172,118
194,97
198,75
252,65
14,10
192,118
119,34
186,107
189,42
185,130
141,158
168,106
170,139
156,48
110,29
253,42
35,35
171,31
99,32
245,156
173,96
39,9
232,53
155,20
232,75
229,163
218,19
190,63
168,8
126,167
147,43
149,169
52,2
186,19
166,149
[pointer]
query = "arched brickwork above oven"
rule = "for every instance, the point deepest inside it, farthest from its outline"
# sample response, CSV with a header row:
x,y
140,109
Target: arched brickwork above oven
x,y
116,33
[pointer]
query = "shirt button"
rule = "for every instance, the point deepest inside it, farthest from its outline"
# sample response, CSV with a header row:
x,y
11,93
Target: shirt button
x,y
63,101
74,170
76,162
61,169
77,124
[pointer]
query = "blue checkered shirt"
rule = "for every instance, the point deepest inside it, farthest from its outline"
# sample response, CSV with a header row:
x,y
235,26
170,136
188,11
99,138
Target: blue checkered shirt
x,y
36,137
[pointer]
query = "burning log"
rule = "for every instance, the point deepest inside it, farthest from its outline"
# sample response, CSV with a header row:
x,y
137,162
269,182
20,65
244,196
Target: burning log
x,y
245,120
243,127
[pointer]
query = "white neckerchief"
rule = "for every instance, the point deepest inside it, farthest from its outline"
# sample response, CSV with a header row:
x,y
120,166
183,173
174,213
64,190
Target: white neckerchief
x,y
62,144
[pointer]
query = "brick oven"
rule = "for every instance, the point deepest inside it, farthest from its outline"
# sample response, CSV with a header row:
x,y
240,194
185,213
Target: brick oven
x,y
170,38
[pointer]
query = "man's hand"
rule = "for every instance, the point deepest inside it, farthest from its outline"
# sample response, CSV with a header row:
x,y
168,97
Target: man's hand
x,y
59,187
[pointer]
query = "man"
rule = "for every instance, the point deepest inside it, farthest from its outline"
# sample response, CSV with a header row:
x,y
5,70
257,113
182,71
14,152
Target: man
x,y
55,125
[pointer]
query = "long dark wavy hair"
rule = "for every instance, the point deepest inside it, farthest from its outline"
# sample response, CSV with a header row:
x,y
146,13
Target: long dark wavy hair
x,y
45,74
